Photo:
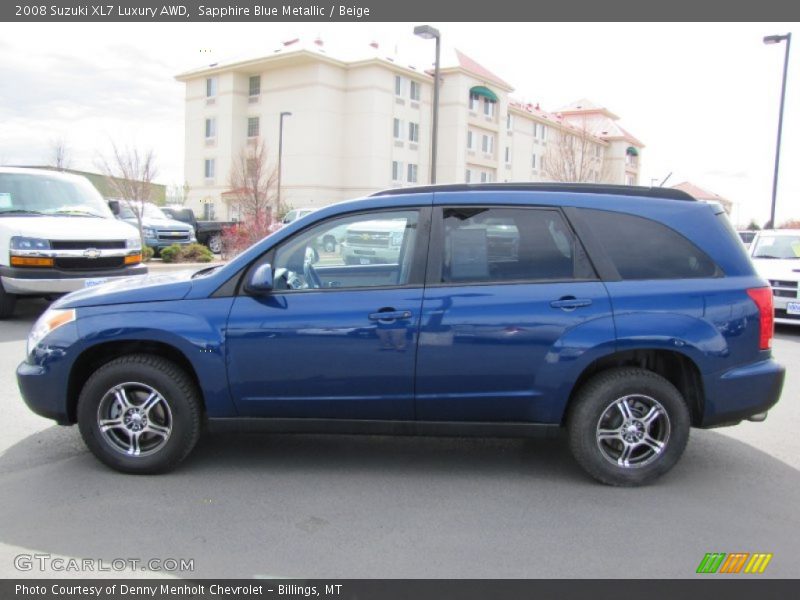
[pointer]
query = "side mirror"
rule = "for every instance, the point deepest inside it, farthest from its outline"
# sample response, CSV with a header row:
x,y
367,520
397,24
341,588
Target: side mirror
x,y
261,280
114,206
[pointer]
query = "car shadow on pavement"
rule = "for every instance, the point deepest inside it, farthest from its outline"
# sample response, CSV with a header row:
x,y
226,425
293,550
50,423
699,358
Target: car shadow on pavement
x,y
18,326
373,506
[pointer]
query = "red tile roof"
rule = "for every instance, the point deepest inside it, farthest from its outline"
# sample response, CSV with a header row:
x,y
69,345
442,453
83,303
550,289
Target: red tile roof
x,y
468,64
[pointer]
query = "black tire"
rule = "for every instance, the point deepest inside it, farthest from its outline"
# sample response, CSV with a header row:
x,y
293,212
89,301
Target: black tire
x,y
596,444
180,413
329,244
7,303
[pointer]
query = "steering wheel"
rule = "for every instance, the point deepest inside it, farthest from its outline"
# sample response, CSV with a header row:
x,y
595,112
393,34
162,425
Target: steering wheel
x,y
311,277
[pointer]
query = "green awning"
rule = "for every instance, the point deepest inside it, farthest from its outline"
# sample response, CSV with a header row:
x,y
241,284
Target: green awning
x,y
631,151
480,90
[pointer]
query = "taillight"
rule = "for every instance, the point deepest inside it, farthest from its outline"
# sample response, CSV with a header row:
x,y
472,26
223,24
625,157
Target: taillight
x,y
763,299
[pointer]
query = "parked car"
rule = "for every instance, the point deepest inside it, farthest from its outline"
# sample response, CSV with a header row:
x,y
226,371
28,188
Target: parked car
x,y
295,214
159,230
373,242
625,315
208,233
747,236
57,234
776,255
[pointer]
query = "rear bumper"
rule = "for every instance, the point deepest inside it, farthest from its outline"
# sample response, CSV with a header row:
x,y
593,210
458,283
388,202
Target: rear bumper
x,y
54,281
742,393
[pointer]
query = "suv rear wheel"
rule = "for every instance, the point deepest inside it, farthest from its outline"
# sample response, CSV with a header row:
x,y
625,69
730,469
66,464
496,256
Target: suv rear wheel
x,y
140,414
628,426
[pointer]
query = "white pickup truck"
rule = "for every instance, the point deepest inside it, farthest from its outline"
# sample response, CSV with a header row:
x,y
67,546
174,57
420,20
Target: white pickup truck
x,y
776,256
58,234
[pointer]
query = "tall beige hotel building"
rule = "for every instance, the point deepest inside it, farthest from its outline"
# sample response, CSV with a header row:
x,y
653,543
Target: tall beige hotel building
x,y
363,123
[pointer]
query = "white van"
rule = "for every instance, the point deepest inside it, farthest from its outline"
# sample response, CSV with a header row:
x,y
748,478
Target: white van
x,y
58,234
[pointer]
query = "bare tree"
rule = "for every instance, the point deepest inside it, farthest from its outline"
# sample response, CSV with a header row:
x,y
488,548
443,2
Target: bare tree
x,y
130,173
60,154
254,184
574,155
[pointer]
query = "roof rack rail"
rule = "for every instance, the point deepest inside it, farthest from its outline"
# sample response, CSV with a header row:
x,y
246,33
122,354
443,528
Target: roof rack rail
x,y
580,188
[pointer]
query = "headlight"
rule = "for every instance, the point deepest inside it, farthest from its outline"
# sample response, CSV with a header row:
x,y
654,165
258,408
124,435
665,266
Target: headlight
x,y
51,320
133,244
26,243
149,232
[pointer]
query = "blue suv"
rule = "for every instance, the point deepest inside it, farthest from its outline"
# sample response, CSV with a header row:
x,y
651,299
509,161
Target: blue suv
x,y
624,315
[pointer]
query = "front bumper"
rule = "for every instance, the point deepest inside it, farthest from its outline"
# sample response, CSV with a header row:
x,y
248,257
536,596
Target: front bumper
x,y
160,244
743,392
39,281
43,392
781,316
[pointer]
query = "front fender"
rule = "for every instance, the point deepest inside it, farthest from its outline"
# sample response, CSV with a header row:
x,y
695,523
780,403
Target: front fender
x,y
196,330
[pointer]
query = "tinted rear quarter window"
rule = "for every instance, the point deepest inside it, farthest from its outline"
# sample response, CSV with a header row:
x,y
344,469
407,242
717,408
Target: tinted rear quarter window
x,y
641,248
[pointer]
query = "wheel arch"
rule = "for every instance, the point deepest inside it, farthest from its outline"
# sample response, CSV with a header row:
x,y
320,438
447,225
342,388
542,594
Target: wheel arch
x,y
677,368
96,356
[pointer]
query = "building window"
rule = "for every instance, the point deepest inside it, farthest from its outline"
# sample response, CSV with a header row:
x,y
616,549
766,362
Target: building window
x,y
412,173
470,140
533,161
509,121
535,129
255,85
398,85
508,154
487,144
474,101
488,108
398,128
415,91
630,179
468,176
397,170
209,168
253,126
211,87
484,177
544,132
211,128
413,132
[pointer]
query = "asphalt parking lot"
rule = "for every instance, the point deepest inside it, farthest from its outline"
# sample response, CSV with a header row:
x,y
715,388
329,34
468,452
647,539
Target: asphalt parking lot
x,y
322,506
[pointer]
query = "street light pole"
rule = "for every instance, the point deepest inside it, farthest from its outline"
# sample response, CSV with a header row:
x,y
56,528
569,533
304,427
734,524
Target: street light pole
x,y
776,39
427,32
280,153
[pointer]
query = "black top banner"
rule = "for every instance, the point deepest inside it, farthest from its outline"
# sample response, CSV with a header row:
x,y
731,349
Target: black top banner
x,y
397,10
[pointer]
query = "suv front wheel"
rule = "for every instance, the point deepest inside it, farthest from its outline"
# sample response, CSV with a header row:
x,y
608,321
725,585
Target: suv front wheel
x,y
628,426
140,414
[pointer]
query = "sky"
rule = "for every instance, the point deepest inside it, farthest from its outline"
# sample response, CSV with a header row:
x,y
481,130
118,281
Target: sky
x,y
703,98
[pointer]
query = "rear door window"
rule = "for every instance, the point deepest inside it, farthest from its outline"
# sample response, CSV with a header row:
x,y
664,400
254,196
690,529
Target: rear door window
x,y
498,244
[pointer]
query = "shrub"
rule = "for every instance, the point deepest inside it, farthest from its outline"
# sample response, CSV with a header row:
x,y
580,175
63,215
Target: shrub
x,y
190,253
147,253
237,238
170,253
195,253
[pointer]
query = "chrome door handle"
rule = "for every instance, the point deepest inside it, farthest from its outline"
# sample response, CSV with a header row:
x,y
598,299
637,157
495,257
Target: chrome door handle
x,y
390,315
569,303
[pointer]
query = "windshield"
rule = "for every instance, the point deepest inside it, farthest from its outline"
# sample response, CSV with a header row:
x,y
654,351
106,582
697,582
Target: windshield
x,y
128,210
777,246
22,193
